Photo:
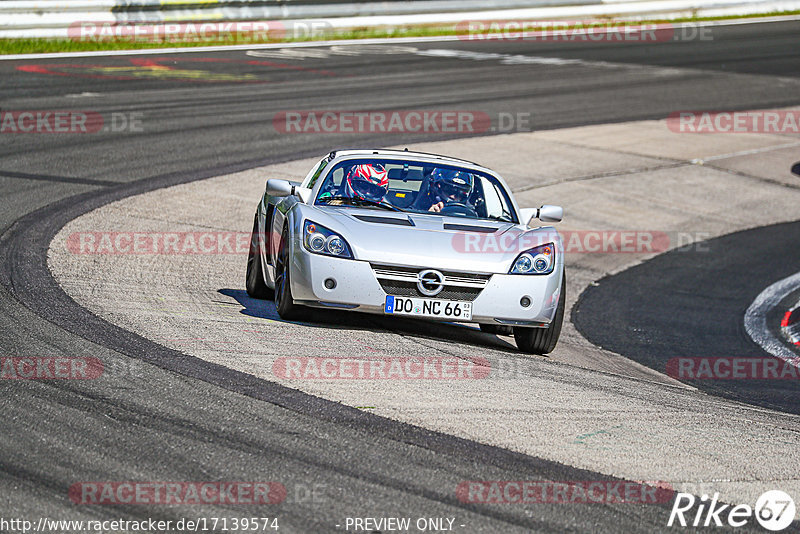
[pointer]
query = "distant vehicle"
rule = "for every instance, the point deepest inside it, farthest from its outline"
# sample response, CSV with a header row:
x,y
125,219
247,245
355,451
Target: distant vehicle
x,y
402,233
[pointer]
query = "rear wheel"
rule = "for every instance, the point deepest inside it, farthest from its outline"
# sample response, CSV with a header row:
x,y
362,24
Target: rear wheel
x,y
543,340
497,329
286,307
254,280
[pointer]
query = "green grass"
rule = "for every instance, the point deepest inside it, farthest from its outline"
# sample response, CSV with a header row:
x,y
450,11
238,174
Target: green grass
x,y
36,46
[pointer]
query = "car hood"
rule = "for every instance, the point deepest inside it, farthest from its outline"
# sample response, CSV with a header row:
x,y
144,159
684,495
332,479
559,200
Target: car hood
x,y
432,241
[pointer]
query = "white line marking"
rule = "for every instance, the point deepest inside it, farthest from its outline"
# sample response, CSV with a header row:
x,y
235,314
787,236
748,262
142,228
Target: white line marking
x,y
700,161
311,44
82,95
755,319
504,59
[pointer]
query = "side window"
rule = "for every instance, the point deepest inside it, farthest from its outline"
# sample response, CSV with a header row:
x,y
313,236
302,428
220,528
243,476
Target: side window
x,y
332,183
337,176
322,165
496,204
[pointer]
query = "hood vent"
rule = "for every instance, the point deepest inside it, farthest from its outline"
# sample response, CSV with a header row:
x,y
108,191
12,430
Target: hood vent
x,y
468,228
384,220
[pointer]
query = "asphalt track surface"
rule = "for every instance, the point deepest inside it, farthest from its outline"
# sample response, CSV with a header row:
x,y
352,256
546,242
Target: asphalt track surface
x,y
195,421
695,315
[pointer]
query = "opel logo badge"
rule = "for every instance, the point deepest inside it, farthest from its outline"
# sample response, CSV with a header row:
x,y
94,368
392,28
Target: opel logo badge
x,y
430,283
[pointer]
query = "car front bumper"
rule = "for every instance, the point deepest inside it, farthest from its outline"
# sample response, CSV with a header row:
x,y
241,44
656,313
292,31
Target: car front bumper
x,y
357,288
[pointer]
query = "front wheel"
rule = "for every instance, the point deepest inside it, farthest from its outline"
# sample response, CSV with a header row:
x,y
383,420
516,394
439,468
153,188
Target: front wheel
x,y
543,340
284,302
254,280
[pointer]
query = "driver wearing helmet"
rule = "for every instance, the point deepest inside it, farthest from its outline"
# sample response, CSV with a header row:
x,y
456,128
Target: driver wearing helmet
x,y
449,186
367,181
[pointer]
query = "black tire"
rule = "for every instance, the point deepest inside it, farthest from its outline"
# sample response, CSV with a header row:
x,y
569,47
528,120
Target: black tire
x,y
254,280
543,340
497,329
287,309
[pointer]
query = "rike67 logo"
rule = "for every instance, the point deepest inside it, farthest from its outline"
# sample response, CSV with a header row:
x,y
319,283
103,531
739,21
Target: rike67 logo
x,y
774,510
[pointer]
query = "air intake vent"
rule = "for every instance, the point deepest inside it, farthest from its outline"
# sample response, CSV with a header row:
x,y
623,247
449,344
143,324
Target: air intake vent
x,y
468,228
409,289
377,219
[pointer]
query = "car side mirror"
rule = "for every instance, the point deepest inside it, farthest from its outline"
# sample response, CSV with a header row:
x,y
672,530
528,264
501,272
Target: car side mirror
x,y
796,168
546,213
279,188
552,214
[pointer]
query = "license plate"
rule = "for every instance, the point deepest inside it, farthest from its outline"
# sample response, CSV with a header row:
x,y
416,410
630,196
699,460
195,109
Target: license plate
x,y
442,309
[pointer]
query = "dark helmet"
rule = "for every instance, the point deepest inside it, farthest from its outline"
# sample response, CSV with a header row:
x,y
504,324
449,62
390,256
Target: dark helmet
x,y
451,185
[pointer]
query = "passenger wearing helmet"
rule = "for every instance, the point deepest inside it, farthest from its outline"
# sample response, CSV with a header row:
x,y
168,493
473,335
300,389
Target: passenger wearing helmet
x,y
449,186
367,181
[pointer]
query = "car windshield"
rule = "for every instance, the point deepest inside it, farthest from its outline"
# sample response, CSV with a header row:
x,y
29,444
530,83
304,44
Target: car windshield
x,y
416,187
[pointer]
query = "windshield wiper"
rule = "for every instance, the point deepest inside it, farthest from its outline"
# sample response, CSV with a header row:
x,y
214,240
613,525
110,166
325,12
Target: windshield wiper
x,y
359,202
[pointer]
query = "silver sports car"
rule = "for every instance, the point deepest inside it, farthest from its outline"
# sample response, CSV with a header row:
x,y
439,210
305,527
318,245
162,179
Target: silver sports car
x,y
410,234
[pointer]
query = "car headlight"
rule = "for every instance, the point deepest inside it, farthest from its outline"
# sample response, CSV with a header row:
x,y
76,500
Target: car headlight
x,y
320,240
539,260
